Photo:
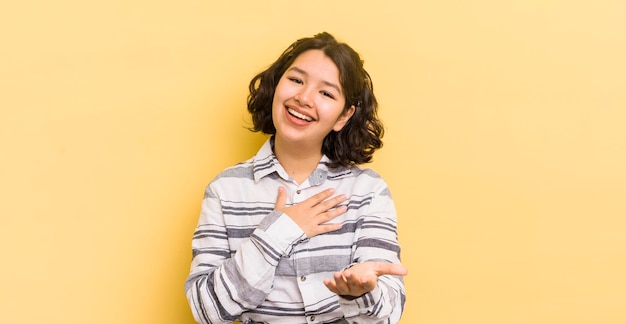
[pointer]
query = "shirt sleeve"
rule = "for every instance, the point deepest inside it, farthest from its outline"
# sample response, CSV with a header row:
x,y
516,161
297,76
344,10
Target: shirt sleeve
x,y
377,240
223,283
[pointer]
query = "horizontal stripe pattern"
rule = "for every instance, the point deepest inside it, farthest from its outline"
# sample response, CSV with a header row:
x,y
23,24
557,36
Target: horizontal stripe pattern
x,y
251,262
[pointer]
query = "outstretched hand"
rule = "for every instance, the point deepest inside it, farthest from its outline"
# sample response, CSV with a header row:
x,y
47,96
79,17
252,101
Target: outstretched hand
x,y
362,277
313,214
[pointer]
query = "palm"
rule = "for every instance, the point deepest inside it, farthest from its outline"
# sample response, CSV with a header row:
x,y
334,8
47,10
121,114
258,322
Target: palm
x,y
362,277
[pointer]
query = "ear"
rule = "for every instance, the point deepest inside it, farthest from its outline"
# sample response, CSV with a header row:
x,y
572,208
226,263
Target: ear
x,y
344,118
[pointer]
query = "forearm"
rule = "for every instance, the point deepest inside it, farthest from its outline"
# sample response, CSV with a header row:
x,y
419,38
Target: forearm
x,y
376,240
219,294
219,289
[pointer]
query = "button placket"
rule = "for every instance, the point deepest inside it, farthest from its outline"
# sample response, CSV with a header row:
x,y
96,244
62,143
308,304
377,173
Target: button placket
x,y
298,195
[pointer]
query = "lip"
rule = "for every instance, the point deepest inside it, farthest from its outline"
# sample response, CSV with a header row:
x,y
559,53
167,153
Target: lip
x,y
296,120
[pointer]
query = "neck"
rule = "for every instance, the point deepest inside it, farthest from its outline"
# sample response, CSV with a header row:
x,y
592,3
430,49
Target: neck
x,y
298,160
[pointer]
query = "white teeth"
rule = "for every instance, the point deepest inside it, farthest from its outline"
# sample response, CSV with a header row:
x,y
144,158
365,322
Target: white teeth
x,y
299,115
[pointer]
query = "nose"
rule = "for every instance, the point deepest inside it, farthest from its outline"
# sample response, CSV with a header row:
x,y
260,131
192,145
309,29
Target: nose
x,y
303,97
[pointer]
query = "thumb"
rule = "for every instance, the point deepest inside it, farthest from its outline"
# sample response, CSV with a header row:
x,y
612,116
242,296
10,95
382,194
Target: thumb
x,y
391,269
281,199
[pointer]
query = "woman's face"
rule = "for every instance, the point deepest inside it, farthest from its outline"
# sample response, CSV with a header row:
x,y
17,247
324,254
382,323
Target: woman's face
x,y
309,100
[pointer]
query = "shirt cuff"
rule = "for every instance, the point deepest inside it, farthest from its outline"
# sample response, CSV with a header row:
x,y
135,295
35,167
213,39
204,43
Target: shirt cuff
x,y
354,307
281,231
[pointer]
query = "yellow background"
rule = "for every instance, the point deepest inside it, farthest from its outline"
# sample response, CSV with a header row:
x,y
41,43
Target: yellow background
x,y
505,149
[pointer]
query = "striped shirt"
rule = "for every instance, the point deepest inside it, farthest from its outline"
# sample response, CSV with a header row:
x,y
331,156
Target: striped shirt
x,y
253,263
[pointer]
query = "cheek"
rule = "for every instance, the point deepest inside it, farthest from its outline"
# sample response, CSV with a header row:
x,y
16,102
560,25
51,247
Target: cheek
x,y
282,89
279,94
331,113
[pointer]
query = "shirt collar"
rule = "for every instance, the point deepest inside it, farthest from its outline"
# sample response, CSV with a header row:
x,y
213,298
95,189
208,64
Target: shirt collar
x,y
266,163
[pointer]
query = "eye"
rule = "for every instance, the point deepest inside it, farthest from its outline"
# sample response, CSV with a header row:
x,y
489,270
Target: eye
x,y
328,94
295,80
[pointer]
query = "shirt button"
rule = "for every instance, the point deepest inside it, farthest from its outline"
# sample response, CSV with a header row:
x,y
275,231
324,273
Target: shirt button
x,y
303,278
298,191
313,317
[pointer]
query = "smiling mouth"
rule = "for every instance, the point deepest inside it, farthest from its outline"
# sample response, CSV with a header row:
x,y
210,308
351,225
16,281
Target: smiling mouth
x,y
299,115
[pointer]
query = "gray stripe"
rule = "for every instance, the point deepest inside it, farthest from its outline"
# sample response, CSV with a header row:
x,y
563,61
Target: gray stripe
x,y
242,171
325,263
376,243
266,249
243,290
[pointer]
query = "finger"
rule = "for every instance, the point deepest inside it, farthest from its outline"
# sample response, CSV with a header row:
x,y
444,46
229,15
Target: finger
x,y
354,283
364,281
318,198
360,284
341,284
331,285
368,281
281,199
330,203
383,268
329,215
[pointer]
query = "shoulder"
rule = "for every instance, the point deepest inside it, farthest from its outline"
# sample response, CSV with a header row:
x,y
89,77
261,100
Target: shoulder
x,y
363,177
361,171
243,171
240,170
366,174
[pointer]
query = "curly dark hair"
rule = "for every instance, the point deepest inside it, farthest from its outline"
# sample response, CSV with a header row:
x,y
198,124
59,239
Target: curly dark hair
x,y
361,136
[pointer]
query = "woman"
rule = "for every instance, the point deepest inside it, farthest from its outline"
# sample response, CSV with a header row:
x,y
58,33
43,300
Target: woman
x,y
301,233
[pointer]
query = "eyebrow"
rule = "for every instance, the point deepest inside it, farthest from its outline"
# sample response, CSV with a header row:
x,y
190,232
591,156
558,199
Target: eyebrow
x,y
330,84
